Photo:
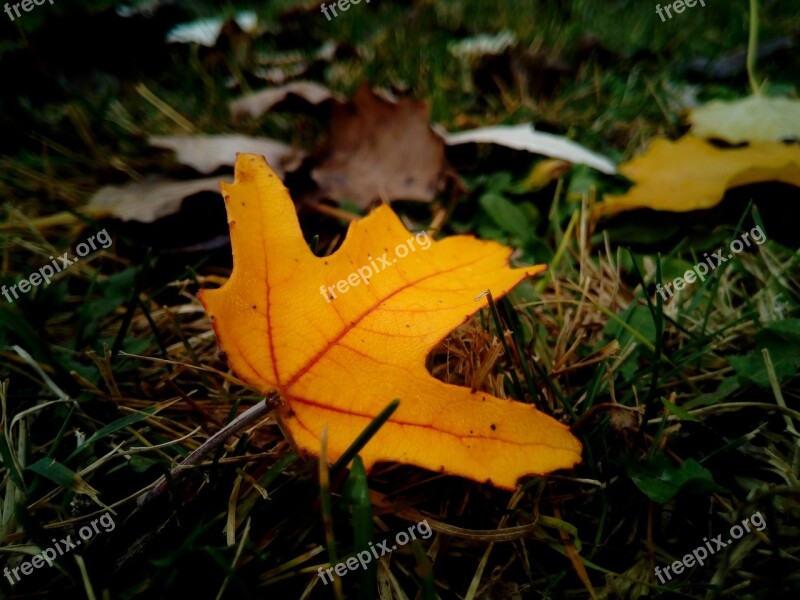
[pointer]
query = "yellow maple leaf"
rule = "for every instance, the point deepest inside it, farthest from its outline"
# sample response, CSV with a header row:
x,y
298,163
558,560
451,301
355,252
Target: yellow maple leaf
x,y
337,358
692,174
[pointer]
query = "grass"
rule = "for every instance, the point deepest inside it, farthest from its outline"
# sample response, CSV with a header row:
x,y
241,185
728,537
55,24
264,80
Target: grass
x,y
687,409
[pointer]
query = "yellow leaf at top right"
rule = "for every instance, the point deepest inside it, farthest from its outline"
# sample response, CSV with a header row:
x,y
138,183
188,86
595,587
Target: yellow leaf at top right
x,y
692,174
753,119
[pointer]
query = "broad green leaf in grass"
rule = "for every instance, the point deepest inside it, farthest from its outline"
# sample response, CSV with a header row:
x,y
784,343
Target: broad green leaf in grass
x,y
782,340
487,230
538,251
635,317
506,215
660,479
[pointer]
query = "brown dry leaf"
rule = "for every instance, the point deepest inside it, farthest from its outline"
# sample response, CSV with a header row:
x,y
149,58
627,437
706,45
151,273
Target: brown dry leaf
x,y
259,103
207,153
381,149
148,201
691,174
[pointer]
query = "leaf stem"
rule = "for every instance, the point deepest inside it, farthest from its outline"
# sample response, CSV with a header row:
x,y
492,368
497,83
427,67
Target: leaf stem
x,y
752,48
244,420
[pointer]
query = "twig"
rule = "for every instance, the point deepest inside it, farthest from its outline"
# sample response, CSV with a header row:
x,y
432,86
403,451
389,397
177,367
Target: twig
x,y
244,420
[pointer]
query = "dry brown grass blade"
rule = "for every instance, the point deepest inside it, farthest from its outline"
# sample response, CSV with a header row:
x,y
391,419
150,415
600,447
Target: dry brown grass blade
x,y
575,558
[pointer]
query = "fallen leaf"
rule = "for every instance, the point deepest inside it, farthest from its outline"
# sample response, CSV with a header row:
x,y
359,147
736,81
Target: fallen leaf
x,y
481,45
544,172
691,174
206,31
752,119
381,149
524,137
497,64
782,340
279,67
147,201
337,362
261,102
207,153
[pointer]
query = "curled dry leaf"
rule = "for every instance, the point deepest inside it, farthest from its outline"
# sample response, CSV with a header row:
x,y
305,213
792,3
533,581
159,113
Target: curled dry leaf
x,y
753,119
524,137
207,153
147,201
544,172
381,149
261,102
691,174
337,359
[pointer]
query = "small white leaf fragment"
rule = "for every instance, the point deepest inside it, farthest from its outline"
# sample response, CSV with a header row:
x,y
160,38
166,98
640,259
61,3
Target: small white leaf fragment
x,y
262,101
524,137
148,201
206,31
207,153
